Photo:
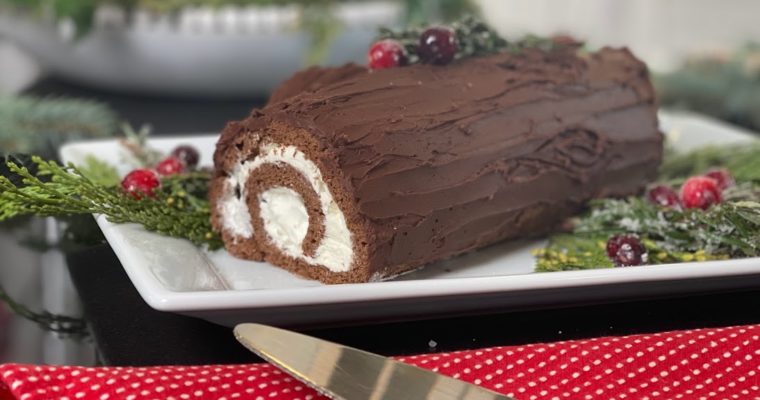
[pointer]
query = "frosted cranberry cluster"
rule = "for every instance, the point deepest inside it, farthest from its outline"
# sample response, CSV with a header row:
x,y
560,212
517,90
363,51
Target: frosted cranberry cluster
x,y
437,45
144,181
697,192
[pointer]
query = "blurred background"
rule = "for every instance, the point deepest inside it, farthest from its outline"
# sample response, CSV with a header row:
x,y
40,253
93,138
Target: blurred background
x,y
79,69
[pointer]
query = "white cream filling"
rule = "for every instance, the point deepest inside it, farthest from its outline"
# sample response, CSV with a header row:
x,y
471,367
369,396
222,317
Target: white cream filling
x,y
234,211
335,252
285,217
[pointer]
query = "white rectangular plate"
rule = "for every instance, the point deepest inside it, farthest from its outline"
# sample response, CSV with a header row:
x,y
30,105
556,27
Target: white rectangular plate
x,y
173,275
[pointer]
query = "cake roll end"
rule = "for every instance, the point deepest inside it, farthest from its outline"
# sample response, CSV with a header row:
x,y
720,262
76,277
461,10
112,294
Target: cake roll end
x,y
273,200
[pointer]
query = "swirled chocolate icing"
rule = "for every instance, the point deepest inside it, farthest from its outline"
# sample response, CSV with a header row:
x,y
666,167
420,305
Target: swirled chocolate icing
x,y
430,162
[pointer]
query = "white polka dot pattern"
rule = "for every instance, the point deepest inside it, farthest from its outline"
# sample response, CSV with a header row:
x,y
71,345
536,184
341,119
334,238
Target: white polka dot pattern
x,y
722,363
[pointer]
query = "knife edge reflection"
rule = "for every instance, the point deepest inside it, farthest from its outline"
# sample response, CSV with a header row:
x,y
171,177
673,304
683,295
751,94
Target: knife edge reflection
x,y
342,372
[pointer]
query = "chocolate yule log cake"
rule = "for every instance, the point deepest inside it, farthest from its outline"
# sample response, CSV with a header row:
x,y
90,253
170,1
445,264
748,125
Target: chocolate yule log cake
x,y
357,174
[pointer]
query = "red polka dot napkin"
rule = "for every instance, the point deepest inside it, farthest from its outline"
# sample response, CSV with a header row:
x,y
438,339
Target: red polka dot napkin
x,y
721,363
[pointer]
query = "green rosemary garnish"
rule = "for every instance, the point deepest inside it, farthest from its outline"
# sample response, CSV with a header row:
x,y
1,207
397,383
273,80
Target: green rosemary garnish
x,y
179,208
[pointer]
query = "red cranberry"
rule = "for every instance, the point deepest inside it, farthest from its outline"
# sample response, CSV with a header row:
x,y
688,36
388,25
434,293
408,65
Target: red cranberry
x,y
140,182
700,192
438,45
626,251
722,177
386,53
613,245
187,154
664,196
170,166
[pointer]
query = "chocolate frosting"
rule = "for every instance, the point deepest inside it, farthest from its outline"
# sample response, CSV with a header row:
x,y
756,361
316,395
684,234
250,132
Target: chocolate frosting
x,y
443,160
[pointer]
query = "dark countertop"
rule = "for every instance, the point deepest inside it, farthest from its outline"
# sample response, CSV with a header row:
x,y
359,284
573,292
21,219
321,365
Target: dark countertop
x,y
128,332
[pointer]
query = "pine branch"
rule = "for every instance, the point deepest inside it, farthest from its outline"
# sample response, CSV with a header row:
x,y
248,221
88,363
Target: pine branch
x,y
176,210
40,126
420,11
728,230
726,86
742,160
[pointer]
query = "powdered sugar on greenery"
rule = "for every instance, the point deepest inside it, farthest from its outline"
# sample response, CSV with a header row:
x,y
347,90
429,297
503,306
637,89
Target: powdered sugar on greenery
x,y
730,229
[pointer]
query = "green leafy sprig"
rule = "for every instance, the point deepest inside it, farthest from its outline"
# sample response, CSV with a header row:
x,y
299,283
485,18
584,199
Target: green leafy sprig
x,y
179,208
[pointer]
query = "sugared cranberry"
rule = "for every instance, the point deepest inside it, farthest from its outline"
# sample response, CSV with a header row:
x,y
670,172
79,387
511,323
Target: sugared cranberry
x,y
722,177
700,192
170,166
664,196
140,182
613,245
187,154
386,53
438,45
626,251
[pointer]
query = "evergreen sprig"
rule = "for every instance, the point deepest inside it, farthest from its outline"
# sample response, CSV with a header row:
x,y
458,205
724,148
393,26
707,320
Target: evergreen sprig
x,y
742,160
728,230
178,208
726,86
136,142
41,125
474,38
99,172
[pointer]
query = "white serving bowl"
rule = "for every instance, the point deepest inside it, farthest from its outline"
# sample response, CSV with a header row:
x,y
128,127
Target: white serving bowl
x,y
227,52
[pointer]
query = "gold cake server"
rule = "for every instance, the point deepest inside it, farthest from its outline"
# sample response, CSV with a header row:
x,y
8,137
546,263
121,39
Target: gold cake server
x,y
345,373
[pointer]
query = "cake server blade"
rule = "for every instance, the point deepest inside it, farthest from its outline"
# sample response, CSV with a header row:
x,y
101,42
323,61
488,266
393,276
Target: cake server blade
x,y
345,373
